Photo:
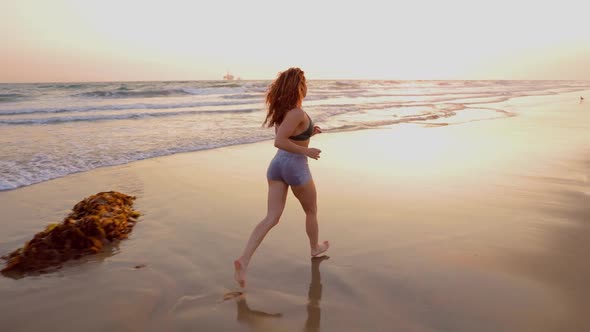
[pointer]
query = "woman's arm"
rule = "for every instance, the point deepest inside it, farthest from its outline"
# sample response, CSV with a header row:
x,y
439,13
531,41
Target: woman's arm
x,y
292,119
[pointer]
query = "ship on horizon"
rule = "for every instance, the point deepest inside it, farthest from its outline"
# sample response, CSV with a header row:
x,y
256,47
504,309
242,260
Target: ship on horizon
x,y
230,77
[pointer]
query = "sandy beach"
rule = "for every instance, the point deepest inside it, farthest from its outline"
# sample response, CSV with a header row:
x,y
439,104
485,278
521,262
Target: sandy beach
x,y
475,226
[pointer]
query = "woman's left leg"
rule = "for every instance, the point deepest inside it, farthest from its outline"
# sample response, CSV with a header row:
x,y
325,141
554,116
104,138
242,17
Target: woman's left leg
x,y
277,196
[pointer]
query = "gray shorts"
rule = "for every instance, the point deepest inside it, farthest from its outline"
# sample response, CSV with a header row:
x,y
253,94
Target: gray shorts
x,y
291,168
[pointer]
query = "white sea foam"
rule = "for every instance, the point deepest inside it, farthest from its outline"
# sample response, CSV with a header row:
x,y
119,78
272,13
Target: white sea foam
x,y
111,107
125,116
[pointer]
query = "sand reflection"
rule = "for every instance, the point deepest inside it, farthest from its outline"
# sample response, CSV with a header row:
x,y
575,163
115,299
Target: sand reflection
x,y
256,319
253,318
314,312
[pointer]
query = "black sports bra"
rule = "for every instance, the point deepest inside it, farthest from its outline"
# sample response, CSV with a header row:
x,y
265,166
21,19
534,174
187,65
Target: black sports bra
x,y
306,134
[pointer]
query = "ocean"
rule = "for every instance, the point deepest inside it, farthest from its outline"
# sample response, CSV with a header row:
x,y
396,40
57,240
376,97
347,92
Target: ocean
x,y
50,130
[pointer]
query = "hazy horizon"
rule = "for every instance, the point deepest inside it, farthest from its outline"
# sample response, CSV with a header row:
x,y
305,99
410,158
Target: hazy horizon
x,y
110,41
271,78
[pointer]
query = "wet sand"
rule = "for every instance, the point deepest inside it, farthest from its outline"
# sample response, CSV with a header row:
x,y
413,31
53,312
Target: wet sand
x,y
479,226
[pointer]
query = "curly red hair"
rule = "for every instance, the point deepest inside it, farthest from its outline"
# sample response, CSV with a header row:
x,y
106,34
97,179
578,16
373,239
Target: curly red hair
x,y
284,94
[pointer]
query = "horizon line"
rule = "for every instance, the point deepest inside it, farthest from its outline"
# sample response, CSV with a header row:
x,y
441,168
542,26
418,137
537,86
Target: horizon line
x,y
271,79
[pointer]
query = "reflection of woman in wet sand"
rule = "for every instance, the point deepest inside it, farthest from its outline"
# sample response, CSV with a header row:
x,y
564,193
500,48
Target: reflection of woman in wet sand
x,y
249,316
255,317
314,295
293,129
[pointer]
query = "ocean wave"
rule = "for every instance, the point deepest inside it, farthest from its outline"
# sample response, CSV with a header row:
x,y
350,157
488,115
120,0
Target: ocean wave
x,y
71,86
244,96
428,114
257,85
10,97
47,166
61,86
224,84
345,84
124,116
422,118
214,91
91,108
125,92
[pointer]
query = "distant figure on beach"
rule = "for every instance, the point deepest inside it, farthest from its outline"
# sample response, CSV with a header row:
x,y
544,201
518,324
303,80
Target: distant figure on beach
x,y
289,168
581,99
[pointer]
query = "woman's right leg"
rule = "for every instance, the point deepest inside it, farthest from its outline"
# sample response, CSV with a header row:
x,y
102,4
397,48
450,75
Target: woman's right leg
x,y
307,196
277,196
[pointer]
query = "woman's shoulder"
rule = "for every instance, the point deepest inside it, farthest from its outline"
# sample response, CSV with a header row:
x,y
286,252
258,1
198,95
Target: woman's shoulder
x,y
296,112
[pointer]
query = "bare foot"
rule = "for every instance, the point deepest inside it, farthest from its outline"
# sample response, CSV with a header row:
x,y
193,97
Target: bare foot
x,y
320,248
240,273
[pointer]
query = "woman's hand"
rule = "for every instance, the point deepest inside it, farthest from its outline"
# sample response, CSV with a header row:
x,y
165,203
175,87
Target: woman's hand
x,y
313,153
316,130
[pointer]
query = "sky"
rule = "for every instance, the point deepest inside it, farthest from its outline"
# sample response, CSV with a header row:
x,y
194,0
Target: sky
x,y
131,40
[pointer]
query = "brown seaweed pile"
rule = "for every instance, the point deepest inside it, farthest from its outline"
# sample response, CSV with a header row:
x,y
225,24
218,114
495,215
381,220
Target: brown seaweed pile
x,y
94,222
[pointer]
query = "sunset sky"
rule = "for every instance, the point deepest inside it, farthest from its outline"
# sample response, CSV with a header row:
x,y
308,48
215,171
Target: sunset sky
x,y
108,40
